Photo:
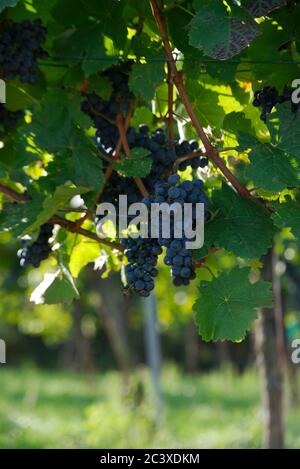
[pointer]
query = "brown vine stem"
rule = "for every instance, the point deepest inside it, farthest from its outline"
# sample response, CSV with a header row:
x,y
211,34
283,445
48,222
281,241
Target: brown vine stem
x,y
16,196
189,156
66,224
108,172
178,81
126,148
170,116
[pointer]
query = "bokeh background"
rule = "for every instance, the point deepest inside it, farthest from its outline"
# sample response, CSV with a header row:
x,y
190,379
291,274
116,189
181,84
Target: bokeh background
x,y
110,371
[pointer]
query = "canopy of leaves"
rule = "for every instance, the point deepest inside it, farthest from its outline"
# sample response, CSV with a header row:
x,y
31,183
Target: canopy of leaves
x,y
225,51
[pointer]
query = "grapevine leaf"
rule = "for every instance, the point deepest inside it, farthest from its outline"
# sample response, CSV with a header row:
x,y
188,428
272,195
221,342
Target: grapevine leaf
x,y
55,288
270,168
226,307
100,85
284,127
259,8
205,103
240,225
86,43
87,169
287,215
52,203
7,3
83,253
144,78
234,31
18,217
138,165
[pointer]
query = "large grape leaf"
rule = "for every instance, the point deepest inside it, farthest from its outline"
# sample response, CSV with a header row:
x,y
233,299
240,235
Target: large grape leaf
x,y
226,307
7,3
239,225
219,33
270,168
144,78
85,46
284,127
87,167
138,165
260,8
205,103
287,215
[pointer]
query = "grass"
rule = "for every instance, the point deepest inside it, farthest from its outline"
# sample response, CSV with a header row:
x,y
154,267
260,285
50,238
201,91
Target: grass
x,y
41,409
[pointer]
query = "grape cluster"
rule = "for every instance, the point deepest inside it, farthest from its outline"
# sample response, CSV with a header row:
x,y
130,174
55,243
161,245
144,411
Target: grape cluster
x,y
142,255
20,48
268,98
104,112
10,119
36,252
177,256
183,148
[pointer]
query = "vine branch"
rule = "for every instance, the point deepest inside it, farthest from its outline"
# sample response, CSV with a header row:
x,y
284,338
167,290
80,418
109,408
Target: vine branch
x,y
178,81
66,224
126,148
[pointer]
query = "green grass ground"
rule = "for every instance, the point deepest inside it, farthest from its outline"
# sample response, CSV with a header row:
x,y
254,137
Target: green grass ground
x,y
40,409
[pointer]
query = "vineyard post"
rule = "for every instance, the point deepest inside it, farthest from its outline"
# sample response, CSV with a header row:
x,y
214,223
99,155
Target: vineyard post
x,y
270,366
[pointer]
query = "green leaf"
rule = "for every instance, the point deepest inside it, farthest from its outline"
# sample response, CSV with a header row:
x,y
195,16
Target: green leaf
x,y
142,114
87,169
226,308
52,126
52,203
284,127
100,85
83,253
55,288
205,103
259,8
138,165
144,78
240,225
87,44
18,217
7,3
221,34
287,215
270,168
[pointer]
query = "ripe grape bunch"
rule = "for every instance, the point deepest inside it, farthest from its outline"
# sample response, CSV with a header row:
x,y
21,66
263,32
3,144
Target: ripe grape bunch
x,y
268,98
177,256
10,119
33,254
20,48
142,253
